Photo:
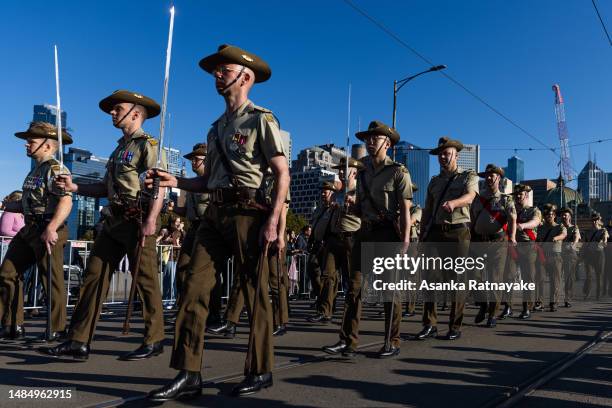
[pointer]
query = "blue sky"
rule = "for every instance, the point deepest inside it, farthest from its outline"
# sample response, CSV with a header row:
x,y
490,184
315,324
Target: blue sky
x,y
509,53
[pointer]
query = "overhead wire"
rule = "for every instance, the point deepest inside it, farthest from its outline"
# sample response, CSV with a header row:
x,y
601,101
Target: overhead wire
x,y
602,22
403,43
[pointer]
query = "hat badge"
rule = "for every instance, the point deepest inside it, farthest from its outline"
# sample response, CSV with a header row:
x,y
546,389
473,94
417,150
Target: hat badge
x,y
247,58
138,96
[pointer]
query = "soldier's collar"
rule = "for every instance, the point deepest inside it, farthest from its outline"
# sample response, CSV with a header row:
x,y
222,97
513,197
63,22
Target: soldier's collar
x,y
245,107
137,134
45,159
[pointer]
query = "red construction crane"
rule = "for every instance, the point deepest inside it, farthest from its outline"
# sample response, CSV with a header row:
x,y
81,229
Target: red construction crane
x,y
565,166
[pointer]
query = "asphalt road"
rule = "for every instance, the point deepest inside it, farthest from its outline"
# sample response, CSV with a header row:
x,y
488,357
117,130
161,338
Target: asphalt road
x,y
476,370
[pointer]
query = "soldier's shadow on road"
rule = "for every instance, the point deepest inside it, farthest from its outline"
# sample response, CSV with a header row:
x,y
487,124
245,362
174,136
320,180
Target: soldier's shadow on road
x,y
55,379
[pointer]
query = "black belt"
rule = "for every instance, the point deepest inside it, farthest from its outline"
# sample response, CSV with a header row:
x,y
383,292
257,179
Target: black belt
x,y
343,234
374,225
451,227
37,218
129,210
223,196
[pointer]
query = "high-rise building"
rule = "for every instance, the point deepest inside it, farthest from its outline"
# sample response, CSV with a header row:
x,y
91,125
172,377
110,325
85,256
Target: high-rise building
x,y
48,113
85,168
312,167
469,157
324,156
515,170
358,151
593,183
306,190
174,160
540,188
416,161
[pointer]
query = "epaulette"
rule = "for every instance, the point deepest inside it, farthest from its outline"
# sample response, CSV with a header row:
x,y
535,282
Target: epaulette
x,y
267,114
151,139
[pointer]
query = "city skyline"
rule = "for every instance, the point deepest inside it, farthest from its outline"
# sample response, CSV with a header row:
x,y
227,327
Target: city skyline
x,y
310,98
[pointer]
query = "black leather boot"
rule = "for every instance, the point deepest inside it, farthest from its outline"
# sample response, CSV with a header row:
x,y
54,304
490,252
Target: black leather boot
x,y
74,349
144,351
187,384
252,384
227,329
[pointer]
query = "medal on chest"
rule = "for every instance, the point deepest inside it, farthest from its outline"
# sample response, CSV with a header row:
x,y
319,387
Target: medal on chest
x,y
125,156
238,142
33,183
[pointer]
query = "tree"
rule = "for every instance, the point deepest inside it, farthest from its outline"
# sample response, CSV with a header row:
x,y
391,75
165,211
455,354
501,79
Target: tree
x,y
295,222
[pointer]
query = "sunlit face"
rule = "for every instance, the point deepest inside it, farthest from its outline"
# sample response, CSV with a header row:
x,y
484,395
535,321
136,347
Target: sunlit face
x,y
326,195
119,112
197,162
376,144
38,148
567,218
521,197
492,180
447,157
225,74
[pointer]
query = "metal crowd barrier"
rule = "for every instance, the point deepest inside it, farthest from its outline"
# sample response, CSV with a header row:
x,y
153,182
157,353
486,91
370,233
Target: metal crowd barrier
x,y
76,256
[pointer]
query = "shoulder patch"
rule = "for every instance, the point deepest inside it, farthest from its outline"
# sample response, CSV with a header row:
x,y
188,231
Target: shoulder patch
x,y
152,141
260,109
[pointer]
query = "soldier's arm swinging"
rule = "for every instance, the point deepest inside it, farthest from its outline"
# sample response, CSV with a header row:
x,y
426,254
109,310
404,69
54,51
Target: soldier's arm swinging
x,y
96,190
460,202
534,223
49,236
149,225
512,226
194,184
280,168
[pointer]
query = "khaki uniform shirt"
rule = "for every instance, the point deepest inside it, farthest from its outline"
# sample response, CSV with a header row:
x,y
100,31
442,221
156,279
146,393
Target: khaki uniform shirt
x,y
196,205
320,221
546,233
343,221
484,222
524,215
415,216
465,182
249,137
386,186
40,196
130,159
568,242
597,238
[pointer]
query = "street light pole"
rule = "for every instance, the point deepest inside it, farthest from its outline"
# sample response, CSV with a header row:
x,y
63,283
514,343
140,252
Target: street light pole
x,y
397,85
404,81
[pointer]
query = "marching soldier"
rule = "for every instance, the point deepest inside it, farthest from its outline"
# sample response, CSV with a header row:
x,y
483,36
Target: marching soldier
x,y
494,216
384,194
593,256
416,214
551,235
130,223
45,209
338,244
242,144
278,279
320,229
569,254
528,218
446,218
195,207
